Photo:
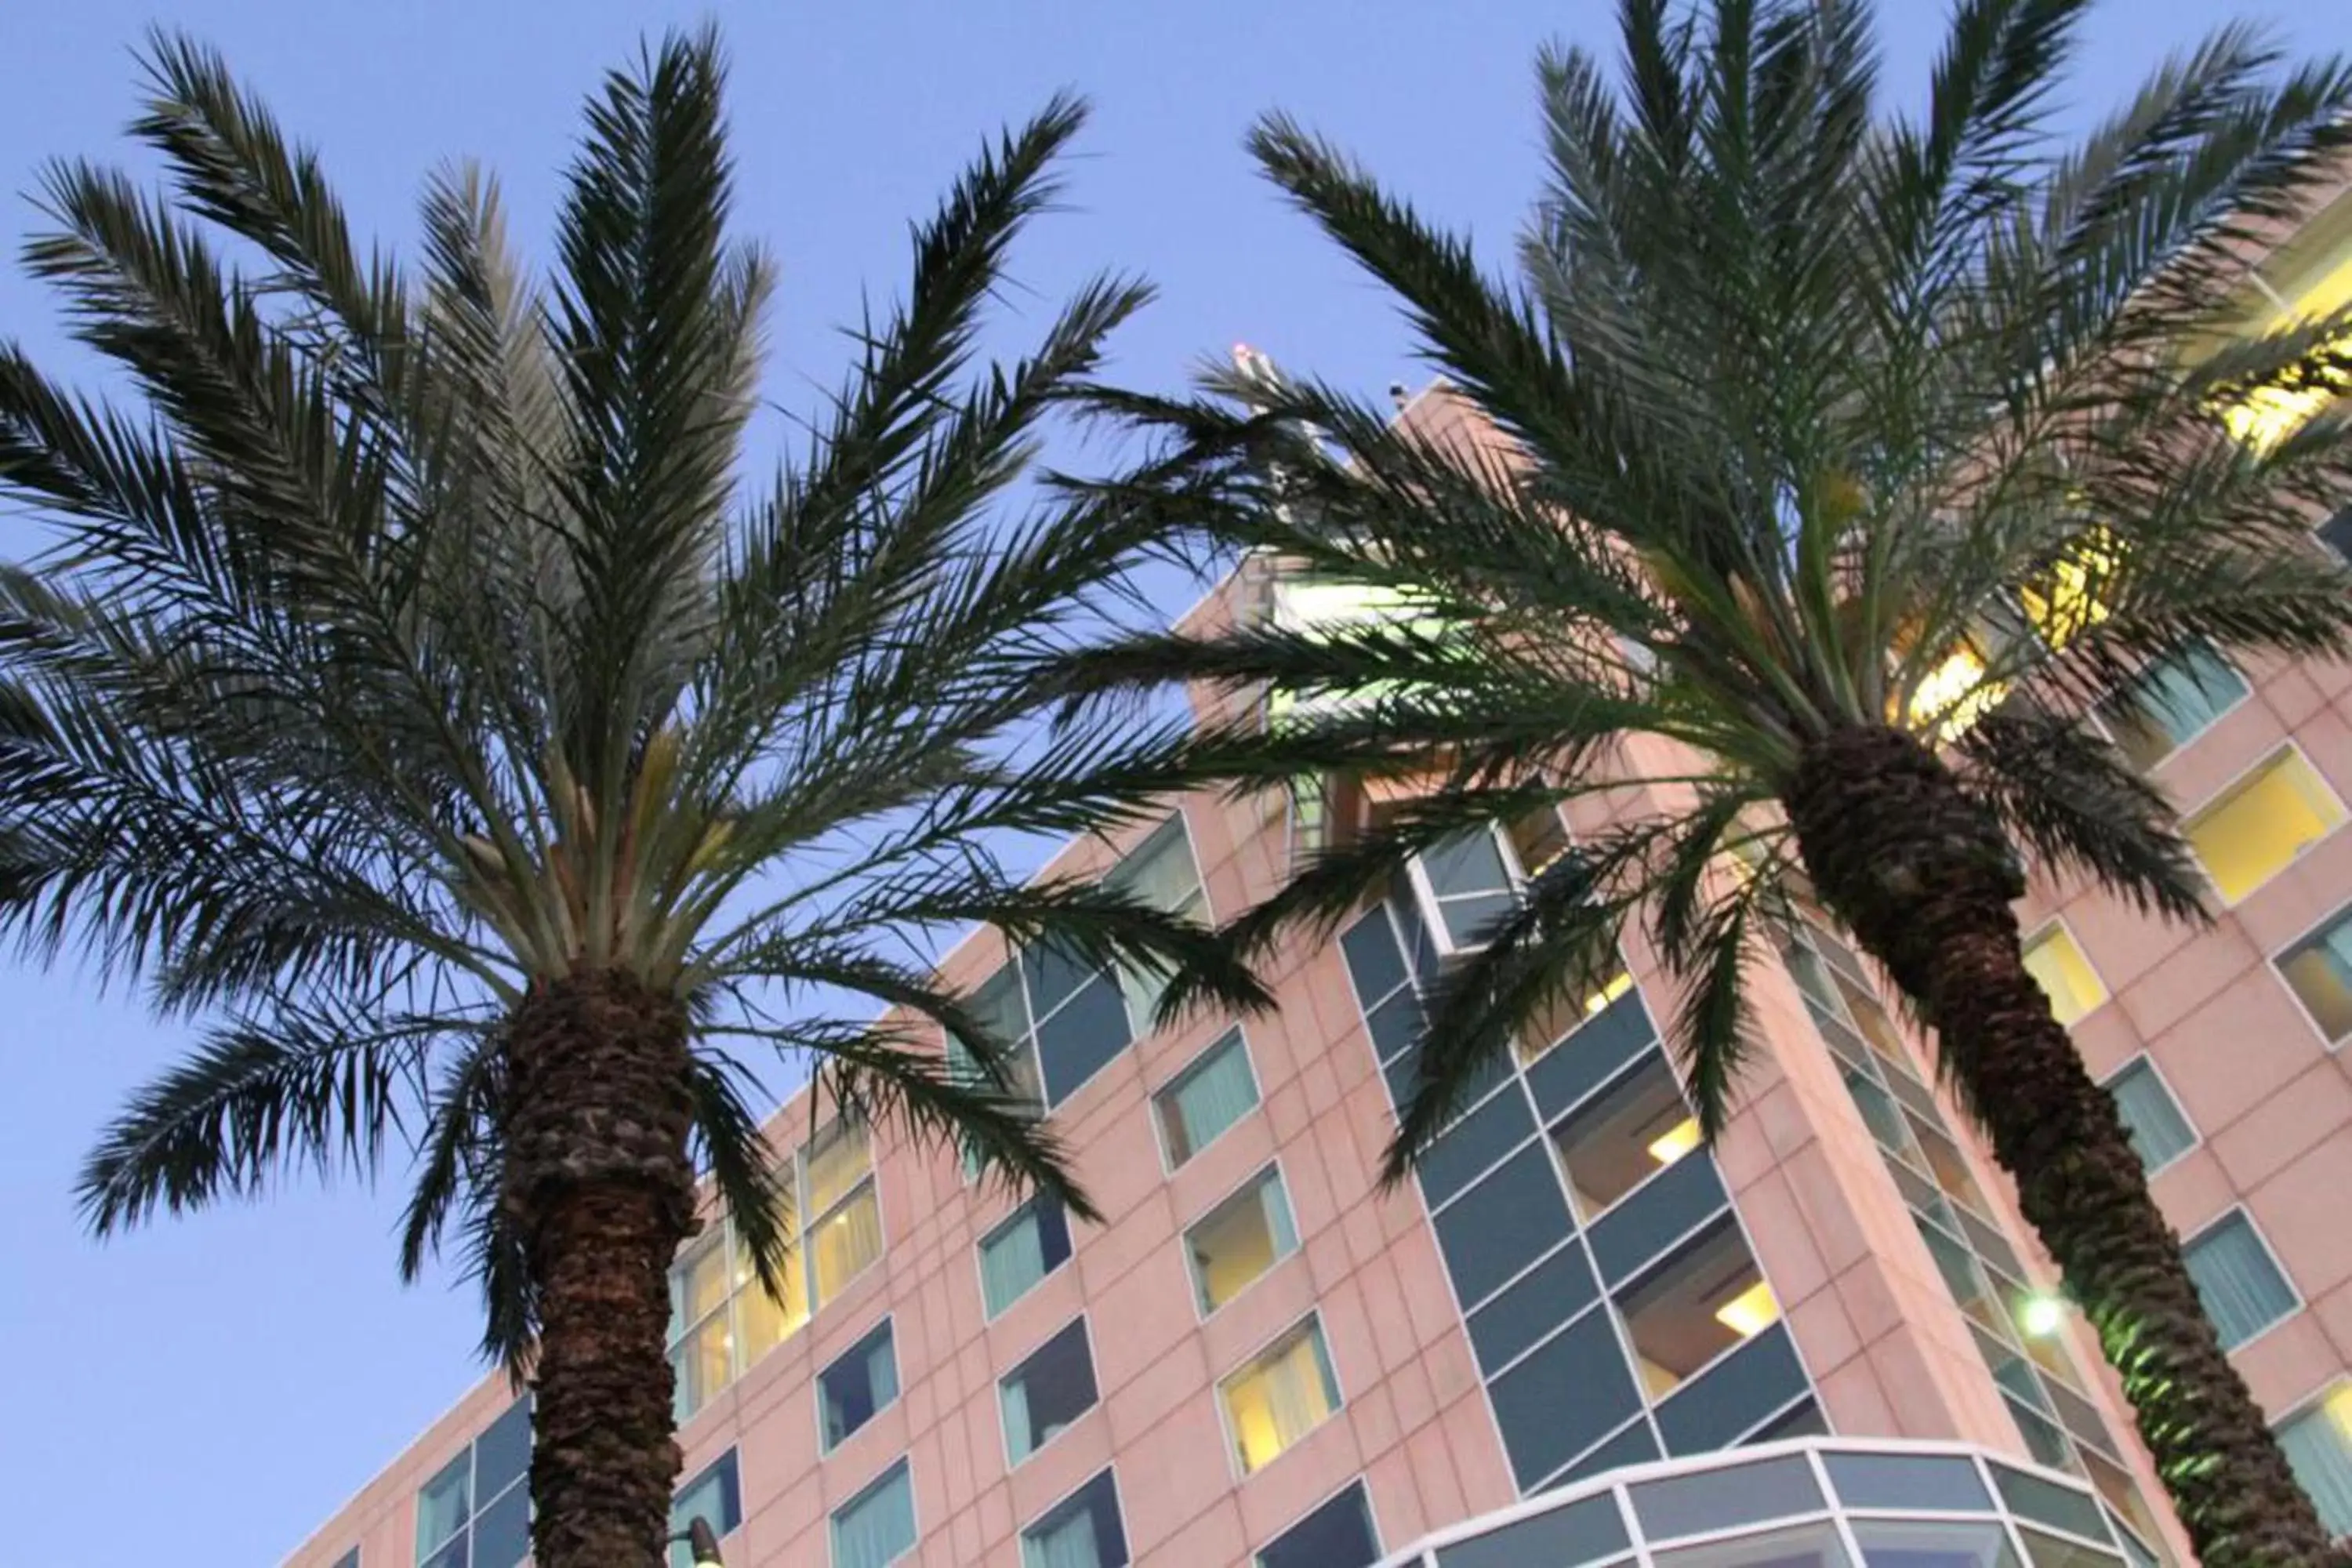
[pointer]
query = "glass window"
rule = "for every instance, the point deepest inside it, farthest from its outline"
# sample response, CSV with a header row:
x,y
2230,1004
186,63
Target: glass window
x,y
476,1511
2318,969
2257,828
721,1320
1214,1090
714,1497
1921,1482
859,1386
1161,872
1622,1135
1725,1496
1374,963
1887,1543
1502,1225
349,1560
1082,1531
1810,1546
1236,1242
2238,1279
1052,1386
1708,1297
2055,960
1027,1245
1465,888
1587,1531
2336,532
1537,838
1567,1394
2151,1116
1061,1017
1536,1303
2318,1444
1337,1535
1284,1394
2169,703
877,1525
2046,1501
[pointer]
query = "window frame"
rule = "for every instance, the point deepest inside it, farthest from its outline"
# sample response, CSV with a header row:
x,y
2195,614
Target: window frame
x,y
1184,1232
2294,1292
1361,1480
1084,1323
2061,925
1431,910
1002,1223
887,1322
2237,782
2339,915
732,1454
2129,689
2315,1403
2196,1133
1183,824
1118,1503
476,1504
1169,1164
905,1461
1312,1319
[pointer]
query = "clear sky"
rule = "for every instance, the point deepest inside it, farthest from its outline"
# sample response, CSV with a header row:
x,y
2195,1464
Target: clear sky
x,y
204,1394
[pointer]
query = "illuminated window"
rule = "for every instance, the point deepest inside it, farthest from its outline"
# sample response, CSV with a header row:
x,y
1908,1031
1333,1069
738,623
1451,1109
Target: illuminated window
x,y
1284,1394
1237,1241
721,1320
2257,828
1324,607
1624,1134
2170,704
2309,280
2318,1444
1705,1298
1161,872
476,1513
2071,597
2159,1129
2318,969
2055,960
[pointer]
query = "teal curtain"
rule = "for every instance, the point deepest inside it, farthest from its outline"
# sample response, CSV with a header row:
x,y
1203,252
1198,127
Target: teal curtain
x,y
882,1373
1212,1096
1071,1543
877,1526
2188,691
1278,1225
2243,1290
2158,1131
1020,1439
2319,1445
1011,1261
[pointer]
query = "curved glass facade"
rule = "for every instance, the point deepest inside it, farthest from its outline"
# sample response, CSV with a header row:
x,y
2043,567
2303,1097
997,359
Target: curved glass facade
x,y
1816,1502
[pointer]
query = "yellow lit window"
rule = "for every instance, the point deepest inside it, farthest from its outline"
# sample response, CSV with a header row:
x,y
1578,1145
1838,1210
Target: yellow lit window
x,y
2255,828
1278,1398
2072,597
2055,960
2269,415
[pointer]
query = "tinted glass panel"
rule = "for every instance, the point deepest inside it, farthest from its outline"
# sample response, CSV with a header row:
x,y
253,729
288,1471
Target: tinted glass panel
x,y
2337,532
1503,1224
1625,1134
1552,1292
1337,1535
1738,1393
1395,1026
1051,1388
1909,1481
1636,1445
1887,1544
1673,1205
2031,1497
1565,1395
1373,959
445,1503
502,1452
502,1531
1475,1143
1811,1546
1081,1039
1403,1070
1719,1499
1585,1532
1591,1056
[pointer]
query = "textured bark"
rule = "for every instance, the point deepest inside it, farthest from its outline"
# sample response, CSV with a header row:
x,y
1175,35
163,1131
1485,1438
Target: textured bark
x,y
1925,877
599,1182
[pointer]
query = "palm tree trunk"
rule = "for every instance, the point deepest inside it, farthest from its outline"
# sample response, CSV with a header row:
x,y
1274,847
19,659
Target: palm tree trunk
x,y
1925,877
601,1191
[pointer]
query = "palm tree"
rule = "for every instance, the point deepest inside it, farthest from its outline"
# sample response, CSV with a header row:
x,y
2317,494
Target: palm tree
x,y
411,691
1833,463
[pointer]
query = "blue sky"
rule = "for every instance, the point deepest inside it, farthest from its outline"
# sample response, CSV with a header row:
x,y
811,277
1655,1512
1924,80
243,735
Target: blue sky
x,y
204,1393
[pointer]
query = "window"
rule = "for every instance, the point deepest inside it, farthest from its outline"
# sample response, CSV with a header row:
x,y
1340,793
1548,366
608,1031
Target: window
x,y
721,1322
2318,969
476,1512
2151,1116
2237,1278
1214,1090
2336,532
857,1387
1465,888
1285,1393
2309,280
2252,831
1619,1138
1029,1244
714,1497
1701,1302
1337,1535
1161,872
2318,1444
1061,1018
877,1525
349,1560
1052,1386
2169,703
1082,1531
2055,961
1240,1240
